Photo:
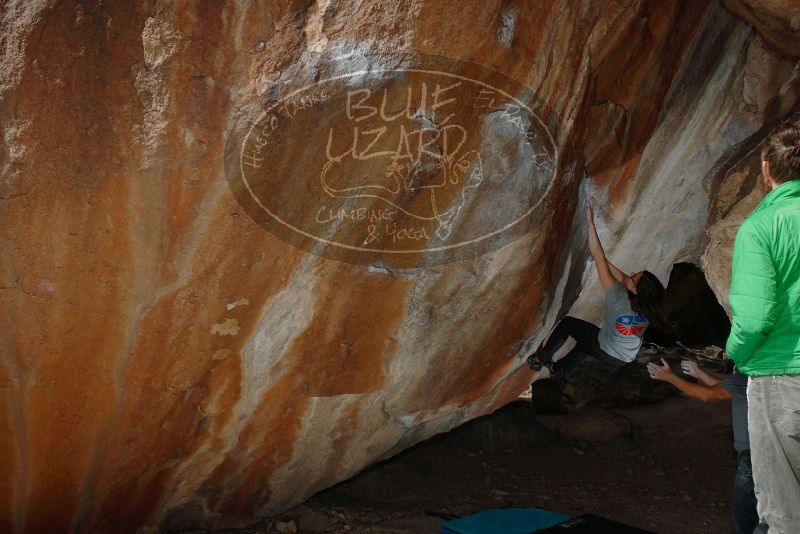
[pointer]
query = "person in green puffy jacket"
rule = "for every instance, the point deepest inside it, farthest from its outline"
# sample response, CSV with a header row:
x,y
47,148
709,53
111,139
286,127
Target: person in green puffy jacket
x,y
764,342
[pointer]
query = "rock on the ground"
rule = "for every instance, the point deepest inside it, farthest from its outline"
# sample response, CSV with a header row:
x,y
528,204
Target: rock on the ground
x,y
166,363
286,527
309,519
594,384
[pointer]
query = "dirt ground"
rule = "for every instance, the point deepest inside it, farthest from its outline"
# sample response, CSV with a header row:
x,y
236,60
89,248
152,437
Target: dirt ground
x,y
666,467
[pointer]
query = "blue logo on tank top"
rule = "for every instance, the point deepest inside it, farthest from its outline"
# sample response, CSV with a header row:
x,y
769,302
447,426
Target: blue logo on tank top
x,y
630,324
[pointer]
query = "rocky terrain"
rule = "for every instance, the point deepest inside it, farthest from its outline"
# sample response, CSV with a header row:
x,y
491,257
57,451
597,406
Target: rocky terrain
x,y
651,466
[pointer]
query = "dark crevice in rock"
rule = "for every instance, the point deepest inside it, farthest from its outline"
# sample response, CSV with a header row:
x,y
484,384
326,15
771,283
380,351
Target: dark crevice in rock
x,y
692,304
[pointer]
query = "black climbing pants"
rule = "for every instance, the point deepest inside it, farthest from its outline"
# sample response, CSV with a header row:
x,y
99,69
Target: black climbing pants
x,y
585,334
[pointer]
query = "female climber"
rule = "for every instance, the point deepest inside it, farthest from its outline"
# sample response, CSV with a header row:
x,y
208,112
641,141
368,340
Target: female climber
x,y
632,303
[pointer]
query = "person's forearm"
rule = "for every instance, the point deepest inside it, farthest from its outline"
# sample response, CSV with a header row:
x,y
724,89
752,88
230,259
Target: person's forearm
x,y
696,391
706,378
595,248
615,271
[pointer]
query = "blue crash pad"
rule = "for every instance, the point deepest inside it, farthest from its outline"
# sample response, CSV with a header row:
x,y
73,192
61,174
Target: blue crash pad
x,y
504,521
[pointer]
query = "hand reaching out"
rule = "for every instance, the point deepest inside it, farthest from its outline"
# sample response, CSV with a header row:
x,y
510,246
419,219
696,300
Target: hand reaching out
x,y
660,372
589,214
692,369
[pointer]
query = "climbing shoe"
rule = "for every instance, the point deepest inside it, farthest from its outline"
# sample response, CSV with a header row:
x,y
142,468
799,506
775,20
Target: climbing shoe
x,y
534,362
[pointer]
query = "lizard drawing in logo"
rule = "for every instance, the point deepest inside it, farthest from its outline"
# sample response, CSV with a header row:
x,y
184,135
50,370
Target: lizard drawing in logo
x,y
415,176
630,325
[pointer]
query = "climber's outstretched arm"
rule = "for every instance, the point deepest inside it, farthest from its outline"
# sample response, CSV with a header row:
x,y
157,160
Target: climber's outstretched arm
x,y
603,269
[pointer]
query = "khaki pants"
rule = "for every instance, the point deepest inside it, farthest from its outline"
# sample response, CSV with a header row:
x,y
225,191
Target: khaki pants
x,y
774,421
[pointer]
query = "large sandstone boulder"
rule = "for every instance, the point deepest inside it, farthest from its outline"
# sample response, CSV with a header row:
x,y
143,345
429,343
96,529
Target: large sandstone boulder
x,y
181,346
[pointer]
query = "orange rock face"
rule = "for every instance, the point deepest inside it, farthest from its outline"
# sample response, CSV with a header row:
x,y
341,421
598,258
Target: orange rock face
x,y
169,357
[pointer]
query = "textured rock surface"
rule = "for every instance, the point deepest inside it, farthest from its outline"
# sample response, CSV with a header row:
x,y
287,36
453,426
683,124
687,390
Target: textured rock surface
x,y
739,189
777,20
771,86
167,363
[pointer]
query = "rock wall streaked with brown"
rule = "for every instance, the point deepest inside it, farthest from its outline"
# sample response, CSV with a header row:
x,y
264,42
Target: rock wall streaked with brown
x,y
771,91
165,362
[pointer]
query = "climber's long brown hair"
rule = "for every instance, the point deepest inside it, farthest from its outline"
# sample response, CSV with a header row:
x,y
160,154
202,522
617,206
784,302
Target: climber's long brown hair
x,y
649,302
